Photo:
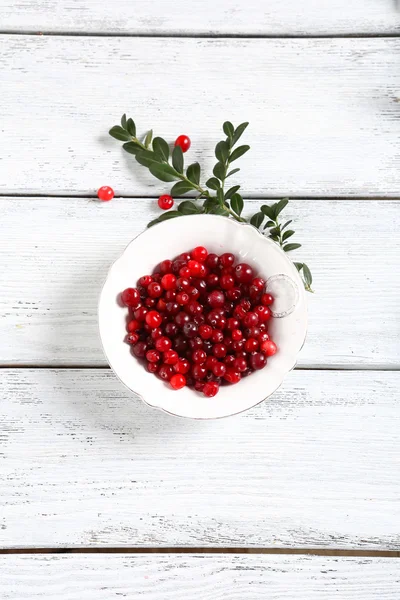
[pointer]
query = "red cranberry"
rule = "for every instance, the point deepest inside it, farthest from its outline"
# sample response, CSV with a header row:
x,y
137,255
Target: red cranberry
x,y
182,366
161,305
190,329
232,376
152,367
193,308
239,312
253,332
132,338
212,280
244,273
258,361
229,360
212,261
199,319
170,357
182,298
199,356
154,290
105,193
199,371
219,369
153,356
133,325
200,254
263,337
185,256
232,324
237,335
168,282
210,389
184,142
156,333
156,277
254,293
170,296
219,350
140,313
227,259
240,364
165,202
268,347
153,319
177,382
139,349
216,299
163,344
238,346
217,336
267,299
145,280
234,294
183,283
172,308
150,302
251,319
184,272
171,329
194,268
258,282
166,372
165,267
216,320
193,292
251,345
131,297
263,312
182,318
196,343
199,386
226,282
205,331
211,362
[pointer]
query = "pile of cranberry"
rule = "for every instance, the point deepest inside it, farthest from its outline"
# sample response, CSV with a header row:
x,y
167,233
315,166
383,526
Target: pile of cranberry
x,y
200,320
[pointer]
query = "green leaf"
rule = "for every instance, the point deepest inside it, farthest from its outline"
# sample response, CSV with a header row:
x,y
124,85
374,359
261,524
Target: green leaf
x,y
238,132
131,127
119,134
228,128
189,208
146,158
275,231
298,266
123,121
274,237
163,171
209,204
287,234
222,151
289,247
231,191
237,204
161,148
220,210
286,224
280,206
268,211
269,224
232,173
238,153
307,275
148,138
171,214
177,159
180,188
257,219
131,147
193,173
213,183
219,170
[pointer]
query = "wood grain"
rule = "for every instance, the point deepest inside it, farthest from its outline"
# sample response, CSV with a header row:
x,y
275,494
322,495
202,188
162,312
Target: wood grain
x,y
84,463
57,252
207,577
324,113
275,17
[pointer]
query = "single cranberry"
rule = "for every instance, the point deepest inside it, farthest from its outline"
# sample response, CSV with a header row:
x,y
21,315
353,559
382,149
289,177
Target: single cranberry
x,y
227,271
181,344
153,356
193,292
199,356
216,320
131,297
237,335
258,361
199,386
163,344
172,308
239,312
245,302
182,298
184,272
210,389
251,345
182,366
170,357
219,369
194,267
139,349
133,325
232,324
251,319
140,313
156,333
227,259
196,343
193,308
185,256
254,293
183,283
199,253
253,332
152,367
199,319
132,338
150,302
237,346
211,362
154,290
212,280
263,312
199,371
168,282
258,282
219,350
268,347
177,382
205,331
226,282
166,372
182,318
244,273
229,360
212,261
184,142
190,329
216,299
161,305
165,267
177,265
153,319
165,202
145,280
105,193
217,336
267,299
232,376
171,329
234,294
157,277
240,365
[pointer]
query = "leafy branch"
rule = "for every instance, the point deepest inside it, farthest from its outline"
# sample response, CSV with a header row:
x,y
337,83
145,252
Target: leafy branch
x,y
154,154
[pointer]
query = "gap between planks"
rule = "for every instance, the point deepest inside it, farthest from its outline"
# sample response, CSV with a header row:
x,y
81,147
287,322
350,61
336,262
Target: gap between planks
x,y
195,550
28,196
208,35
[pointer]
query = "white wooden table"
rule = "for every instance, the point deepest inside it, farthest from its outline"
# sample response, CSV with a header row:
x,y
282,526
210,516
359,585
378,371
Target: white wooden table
x,y
297,498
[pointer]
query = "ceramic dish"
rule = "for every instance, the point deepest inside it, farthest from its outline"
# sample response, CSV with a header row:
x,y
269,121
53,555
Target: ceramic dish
x,y
217,234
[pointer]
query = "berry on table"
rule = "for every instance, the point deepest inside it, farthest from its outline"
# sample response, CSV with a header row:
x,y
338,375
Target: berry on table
x,y
184,142
165,202
105,193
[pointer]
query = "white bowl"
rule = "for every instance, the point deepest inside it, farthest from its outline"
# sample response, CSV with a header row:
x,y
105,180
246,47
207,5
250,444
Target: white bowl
x,y
217,234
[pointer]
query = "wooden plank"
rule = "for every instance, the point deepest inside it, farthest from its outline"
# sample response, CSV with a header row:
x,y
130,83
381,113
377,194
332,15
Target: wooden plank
x,y
275,17
57,252
158,577
323,113
84,463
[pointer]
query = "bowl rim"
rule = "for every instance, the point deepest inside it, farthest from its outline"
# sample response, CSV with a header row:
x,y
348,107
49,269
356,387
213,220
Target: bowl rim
x,y
161,408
